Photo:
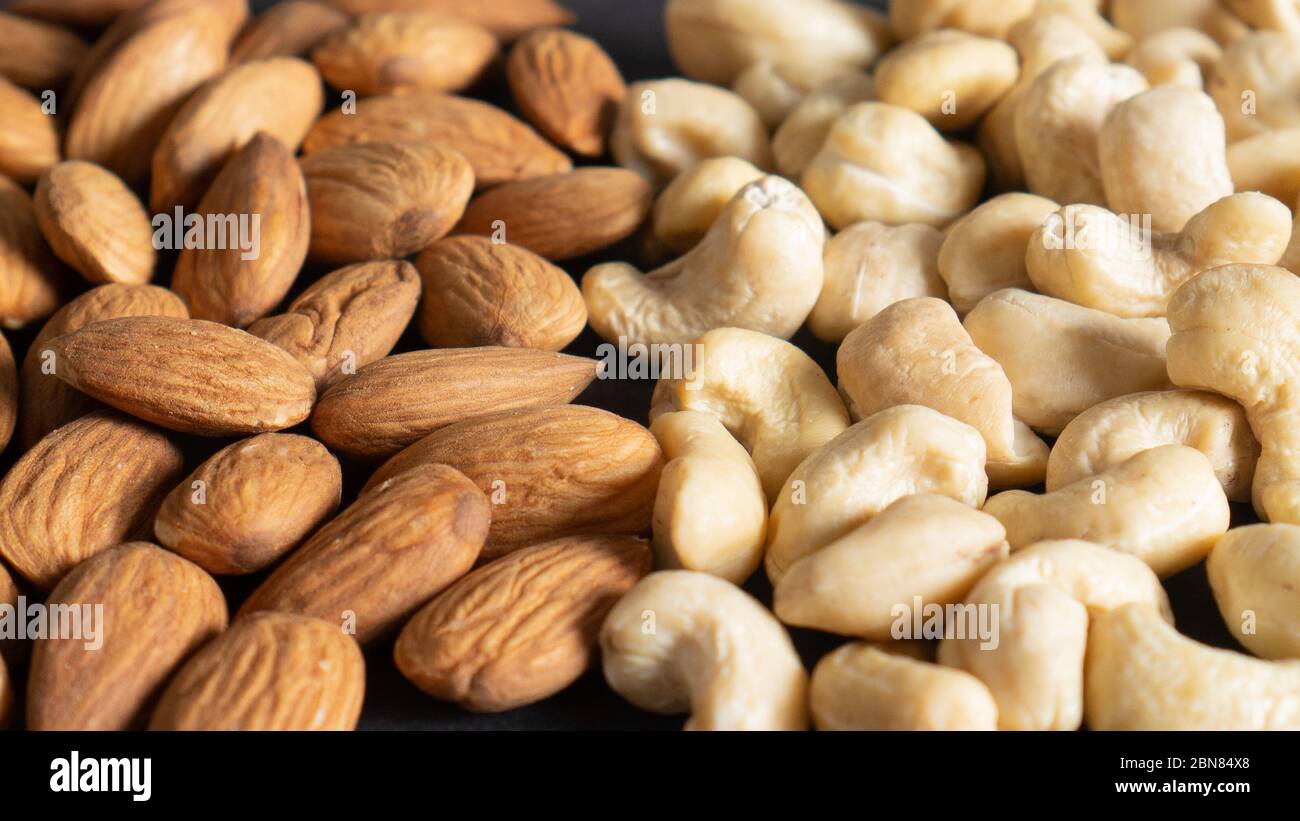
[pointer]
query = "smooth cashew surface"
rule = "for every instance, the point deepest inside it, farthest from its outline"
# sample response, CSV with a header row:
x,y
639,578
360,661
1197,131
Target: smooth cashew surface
x,y
1143,18
949,77
1179,57
1291,257
991,18
1278,15
802,134
691,203
1255,575
1257,84
984,251
1268,162
776,89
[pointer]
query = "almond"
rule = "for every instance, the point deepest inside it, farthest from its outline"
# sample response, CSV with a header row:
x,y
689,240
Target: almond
x,y
391,403
237,282
288,29
523,627
157,609
550,472
32,283
187,375
38,55
499,147
383,200
29,141
563,216
86,487
507,19
8,399
396,52
479,292
94,223
269,671
6,696
48,403
568,87
75,12
392,550
251,503
13,649
346,319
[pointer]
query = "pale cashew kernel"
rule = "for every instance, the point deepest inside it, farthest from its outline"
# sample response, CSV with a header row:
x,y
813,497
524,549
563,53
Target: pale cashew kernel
x,y
1143,18
1291,258
990,18
804,131
1278,15
1268,162
1255,575
984,251
1180,57
949,77
1087,14
1257,84
691,203
775,89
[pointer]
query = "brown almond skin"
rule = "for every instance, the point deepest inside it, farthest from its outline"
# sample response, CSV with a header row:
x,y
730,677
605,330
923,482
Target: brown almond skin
x,y
346,319
499,147
32,283
566,215
287,30
550,472
29,140
269,671
38,55
383,200
378,561
259,498
218,284
75,12
187,375
11,649
6,697
158,609
521,628
507,19
567,87
46,401
391,403
8,394
94,223
479,292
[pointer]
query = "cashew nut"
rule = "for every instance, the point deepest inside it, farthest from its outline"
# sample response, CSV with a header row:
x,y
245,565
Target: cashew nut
x,y
1268,162
1291,258
991,18
984,251
949,77
1087,15
1257,84
776,89
1180,56
1278,15
802,134
1143,18
691,203
1255,575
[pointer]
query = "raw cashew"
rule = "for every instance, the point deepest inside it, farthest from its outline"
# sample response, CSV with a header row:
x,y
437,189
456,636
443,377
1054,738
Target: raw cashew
x,y
1291,258
984,251
691,203
681,641
917,352
901,451
1107,434
949,77
1164,505
801,136
1180,57
1062,358
991,18
776,89
1043,597
710,512
770,395
926,548
1143,18
887,163
870,266
1255,575
1278,15
892,686
1237,332
1257,84
1142,674
759,267
1268,162
1089,256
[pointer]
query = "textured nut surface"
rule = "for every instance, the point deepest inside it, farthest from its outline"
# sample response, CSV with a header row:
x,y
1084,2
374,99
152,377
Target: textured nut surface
x,y
94,223
692,202
29,142
1255,575
984,251
949,77
33,284
286,29
507,19
1255,84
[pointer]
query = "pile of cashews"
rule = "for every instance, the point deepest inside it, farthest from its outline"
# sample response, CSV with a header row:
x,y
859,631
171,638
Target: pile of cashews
x,y
1056,251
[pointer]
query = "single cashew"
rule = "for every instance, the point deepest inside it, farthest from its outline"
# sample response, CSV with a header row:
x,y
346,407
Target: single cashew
x,y
916,352
1087,15
1142,674
776,89
1062,358
949,77
892,686
1257,84
1042,598
804,132
1237,332
887,163
926,548
681,641
901,451
984,251
1268,162
1143,18
1115,263
691,203
1278,15
710,512
990,18
770,395
870,266
1180,57
1255,575
759,267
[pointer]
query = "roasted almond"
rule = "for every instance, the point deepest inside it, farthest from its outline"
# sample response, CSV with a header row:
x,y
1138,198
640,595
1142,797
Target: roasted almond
x,y
29,141
75,12
288,29
260,197
38,55
94,223
157,609
186,374
499,147
507,19
32,283
550,472
251,503
480,292
269,671
13,647
523,627
568,87
8,398
563,216
391,551
391,403
383,200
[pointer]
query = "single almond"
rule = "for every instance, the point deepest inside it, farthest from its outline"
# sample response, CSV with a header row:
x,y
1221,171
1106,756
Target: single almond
x,y
186,374
507,19
499,147
251,503
157,610
86,487
269,671
346,319
521,628
8,398
261,197
32,283
563,216
383,200
550,472
38,55
288,29
94,223
29,140
395,548
568,87
480,292
91,13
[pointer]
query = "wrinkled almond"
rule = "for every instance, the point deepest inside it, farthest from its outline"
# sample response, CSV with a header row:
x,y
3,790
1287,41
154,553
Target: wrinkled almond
x,y
507,19
568,87
32,283
94,223
288,29
38,55
29,141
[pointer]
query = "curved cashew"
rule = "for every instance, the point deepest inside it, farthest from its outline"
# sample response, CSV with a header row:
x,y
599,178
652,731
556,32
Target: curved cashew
x,y
1257,84
1255,575
1043,597
1087,15
1143,19
777,89
691,203
984,251
990,18
1142,674
682,641
949,77
1268,162
804,131
1180,57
